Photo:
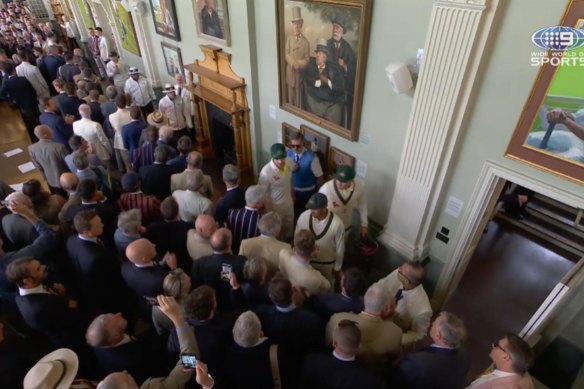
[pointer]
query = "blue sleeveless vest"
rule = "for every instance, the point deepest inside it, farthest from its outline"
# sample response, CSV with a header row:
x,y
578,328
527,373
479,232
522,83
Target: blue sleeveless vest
x,y
303,177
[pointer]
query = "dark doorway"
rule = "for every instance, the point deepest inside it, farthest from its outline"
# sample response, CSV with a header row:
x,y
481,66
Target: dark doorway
x,y
516,264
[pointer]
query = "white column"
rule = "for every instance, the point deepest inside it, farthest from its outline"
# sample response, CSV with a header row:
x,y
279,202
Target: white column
x,y
139,9
457,34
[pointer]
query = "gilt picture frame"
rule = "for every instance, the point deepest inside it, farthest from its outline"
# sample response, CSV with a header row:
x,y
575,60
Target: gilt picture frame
x,y
322,53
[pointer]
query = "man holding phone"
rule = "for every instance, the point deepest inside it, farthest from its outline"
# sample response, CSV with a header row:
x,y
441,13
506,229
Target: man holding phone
x,y
179,376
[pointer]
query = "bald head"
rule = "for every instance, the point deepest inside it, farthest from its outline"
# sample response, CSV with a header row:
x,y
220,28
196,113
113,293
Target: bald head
x,y
85,111
119,380
43,132
221,240
205,225
68,182
141,251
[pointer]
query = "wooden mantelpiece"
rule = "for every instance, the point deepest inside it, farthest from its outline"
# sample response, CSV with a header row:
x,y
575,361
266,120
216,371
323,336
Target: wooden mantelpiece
x,y
219,85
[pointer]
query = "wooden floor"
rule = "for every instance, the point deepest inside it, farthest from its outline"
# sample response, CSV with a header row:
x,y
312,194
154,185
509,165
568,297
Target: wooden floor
x,y
13,135
508,277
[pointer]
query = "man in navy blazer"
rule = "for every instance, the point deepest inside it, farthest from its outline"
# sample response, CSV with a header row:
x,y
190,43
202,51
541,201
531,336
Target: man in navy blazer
x,y
212,270
156,177
142,273
343,369
353,288
115,350
442,365
131,132
96,268
67,100
62,128
46,309
53,62
20,91
286,324
234,197
40,248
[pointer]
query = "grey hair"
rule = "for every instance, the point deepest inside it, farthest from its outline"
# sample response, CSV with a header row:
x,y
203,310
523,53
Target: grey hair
x,y
80,159
85,111
111,92
97,334
255,195
247,329
129,221
254,269
452,329
376,299
230,174
270,224
194,180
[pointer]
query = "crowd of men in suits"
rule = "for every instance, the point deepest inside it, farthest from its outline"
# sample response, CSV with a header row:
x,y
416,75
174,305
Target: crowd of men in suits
x,y
123,277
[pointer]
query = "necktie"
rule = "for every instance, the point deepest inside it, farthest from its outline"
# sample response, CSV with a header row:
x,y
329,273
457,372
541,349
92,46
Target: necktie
x,y
399,295
297,158
180,91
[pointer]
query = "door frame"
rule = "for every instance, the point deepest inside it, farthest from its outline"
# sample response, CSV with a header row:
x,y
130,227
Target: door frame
x,y
483,201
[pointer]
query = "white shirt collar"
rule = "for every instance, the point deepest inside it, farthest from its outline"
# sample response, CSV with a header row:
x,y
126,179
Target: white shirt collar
x,y
94,240
36,290
287,309
340,358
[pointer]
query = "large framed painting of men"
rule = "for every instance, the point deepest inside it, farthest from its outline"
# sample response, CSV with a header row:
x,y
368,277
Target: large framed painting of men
x,y
212,20
165,20
550,131
322,52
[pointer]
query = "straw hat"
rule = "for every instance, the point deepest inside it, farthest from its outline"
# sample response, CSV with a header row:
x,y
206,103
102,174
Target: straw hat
x,y
157,119
56,370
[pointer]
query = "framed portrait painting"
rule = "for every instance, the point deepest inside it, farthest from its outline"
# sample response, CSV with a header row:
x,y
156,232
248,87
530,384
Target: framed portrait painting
x,y
550,131
127,33
212,20
322,53
318,143
172,59
165,20
338,157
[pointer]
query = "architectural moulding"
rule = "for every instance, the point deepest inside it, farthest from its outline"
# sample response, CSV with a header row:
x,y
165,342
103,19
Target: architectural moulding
x,y
457,35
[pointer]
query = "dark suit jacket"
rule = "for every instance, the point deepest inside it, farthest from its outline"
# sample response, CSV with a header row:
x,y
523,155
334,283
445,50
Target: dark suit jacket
x,y
327,304
144,281
131,134
41,249
107,109
67,71
432,367
215,338
96,114
324,93
250,367
106,212
232,199
61,130
322,371
69,105
171,237
53,62
299,330
20,91
136,357
156,179
207,271
51,315
98,276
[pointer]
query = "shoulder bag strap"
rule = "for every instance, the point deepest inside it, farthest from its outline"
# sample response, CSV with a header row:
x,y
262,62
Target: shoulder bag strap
x,y
275,368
